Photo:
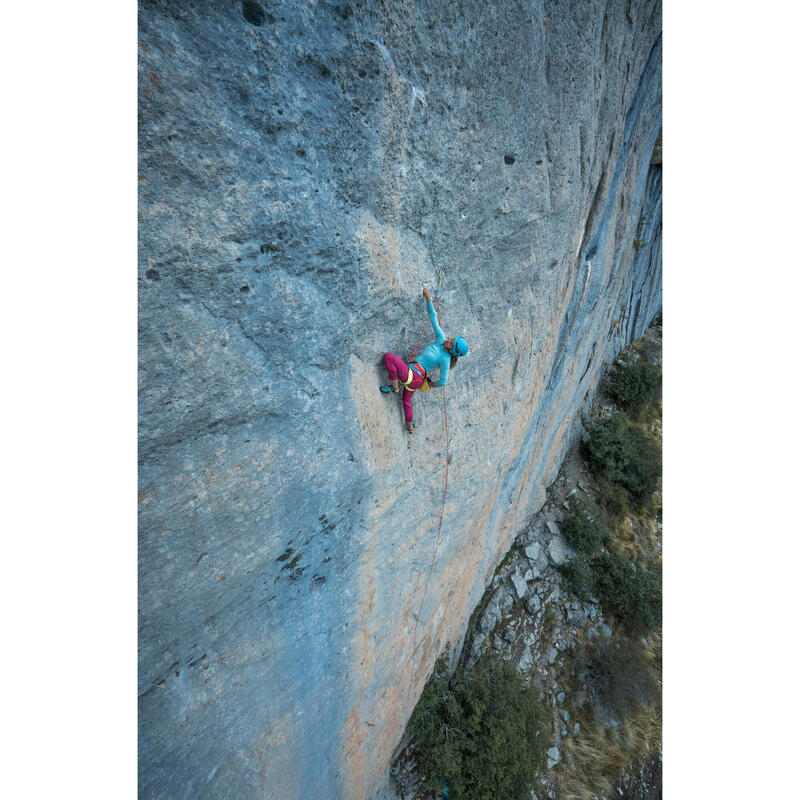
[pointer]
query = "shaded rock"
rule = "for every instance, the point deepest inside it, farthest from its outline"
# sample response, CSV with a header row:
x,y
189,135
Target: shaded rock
x,y
506,595
477,643
553,528
491,614
576,618
510,635
533,604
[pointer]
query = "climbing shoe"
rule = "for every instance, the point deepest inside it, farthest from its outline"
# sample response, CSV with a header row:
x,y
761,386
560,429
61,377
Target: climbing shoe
x,y
389,388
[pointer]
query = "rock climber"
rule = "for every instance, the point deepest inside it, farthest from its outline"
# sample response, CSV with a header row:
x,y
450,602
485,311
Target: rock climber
x,y
444,354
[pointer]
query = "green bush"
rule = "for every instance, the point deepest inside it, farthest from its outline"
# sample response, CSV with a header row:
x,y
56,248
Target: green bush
x,y
486,734
633,386
624,454
612,497
587,528
578,573
628,590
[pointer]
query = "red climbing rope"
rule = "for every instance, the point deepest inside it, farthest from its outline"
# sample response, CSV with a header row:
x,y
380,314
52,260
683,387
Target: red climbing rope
x,y
435,549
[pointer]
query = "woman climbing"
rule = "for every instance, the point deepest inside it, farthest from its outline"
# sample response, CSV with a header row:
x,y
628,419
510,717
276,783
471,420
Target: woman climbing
x,y
444,354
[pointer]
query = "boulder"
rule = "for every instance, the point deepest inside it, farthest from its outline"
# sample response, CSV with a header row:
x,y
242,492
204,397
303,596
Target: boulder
x,y
542,561
532,551
477,644
520,586
558,550
491,614
533,604
525,660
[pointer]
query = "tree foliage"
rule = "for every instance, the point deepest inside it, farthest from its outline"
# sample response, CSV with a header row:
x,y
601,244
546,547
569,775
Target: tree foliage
x,y
623,453
486,734
587,528
633,385
628,590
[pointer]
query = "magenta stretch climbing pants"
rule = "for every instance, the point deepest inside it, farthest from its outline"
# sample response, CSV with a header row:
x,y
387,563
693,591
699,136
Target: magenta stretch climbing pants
x,y
398,370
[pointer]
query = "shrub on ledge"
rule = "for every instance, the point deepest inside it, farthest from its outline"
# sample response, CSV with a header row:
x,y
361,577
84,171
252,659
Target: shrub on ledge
x,y
633,386
623,453
486,734
587,528
628,590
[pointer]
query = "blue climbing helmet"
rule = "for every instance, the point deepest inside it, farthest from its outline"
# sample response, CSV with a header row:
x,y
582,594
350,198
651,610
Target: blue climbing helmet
x,y
460,347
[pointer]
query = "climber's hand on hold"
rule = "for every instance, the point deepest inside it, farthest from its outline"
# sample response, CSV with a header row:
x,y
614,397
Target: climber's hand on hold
x,y
425,293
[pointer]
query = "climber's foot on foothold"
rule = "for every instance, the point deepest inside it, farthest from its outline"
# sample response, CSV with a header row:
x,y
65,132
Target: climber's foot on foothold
x,y
410,427
386,389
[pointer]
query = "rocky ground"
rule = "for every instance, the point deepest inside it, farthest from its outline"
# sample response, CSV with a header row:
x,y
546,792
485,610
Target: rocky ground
x,y
532,618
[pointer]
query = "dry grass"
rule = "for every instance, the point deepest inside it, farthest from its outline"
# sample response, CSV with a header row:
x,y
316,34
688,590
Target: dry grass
x,y
636,539
594,758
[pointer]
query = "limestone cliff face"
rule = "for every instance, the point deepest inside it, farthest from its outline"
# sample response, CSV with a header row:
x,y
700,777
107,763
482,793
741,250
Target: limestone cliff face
x,y
303,167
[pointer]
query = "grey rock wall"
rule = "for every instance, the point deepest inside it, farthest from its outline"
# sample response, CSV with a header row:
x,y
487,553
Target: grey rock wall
x,y
303,167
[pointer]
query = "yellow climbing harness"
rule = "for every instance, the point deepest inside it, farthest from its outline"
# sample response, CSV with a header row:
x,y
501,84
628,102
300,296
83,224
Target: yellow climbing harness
x,y
414,374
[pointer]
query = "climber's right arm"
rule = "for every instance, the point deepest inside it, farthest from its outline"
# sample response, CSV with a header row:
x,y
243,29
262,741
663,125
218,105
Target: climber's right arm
x,y
440,337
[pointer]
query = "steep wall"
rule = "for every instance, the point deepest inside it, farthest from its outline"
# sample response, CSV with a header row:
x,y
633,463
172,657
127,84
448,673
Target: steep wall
x,y
303,166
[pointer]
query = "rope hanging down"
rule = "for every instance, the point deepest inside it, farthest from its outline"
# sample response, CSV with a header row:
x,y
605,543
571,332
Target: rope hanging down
x,y
438,536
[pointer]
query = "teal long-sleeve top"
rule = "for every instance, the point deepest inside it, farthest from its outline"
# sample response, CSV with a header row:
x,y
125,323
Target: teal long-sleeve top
x,y
434,355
